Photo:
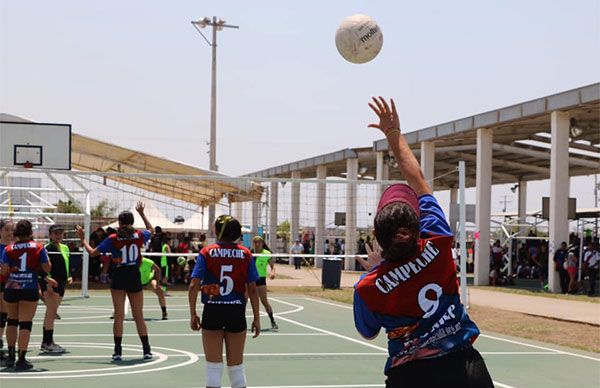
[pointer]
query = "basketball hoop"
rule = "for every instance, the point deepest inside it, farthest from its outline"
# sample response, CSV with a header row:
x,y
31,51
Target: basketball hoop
x,y
28,164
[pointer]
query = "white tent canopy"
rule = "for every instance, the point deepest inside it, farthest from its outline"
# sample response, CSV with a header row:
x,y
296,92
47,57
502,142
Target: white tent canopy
x,y
198,222
155,217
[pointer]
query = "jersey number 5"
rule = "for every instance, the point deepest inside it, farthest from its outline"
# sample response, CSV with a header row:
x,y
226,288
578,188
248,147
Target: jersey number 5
x,y
226,280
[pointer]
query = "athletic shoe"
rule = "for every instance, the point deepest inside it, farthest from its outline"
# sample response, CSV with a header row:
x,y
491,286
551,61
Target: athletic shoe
x,y
274,326
116,357
23,365
58,317
52,348
10,362
147,355
165,316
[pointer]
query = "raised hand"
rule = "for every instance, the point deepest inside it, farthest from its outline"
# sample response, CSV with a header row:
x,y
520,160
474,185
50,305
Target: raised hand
x,y
388,118
80,232
373,256
139,207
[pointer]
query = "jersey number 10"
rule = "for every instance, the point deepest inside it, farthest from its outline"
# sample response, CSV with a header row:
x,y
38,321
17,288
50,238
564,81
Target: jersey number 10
x,y
129,254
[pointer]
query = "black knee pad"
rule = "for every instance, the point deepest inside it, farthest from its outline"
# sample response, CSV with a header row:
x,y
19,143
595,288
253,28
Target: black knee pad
x,y
12,322
25,325
3,319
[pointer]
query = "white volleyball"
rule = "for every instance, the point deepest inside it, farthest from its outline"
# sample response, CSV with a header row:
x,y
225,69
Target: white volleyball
x,y
358,39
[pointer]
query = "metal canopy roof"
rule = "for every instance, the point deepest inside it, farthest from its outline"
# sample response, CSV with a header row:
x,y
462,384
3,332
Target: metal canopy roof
x,y
152,173
521,136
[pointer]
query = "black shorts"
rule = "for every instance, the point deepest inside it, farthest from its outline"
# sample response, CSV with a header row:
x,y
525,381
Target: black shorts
x,y
15,296
2,284
262,281
127,279
60,290
227,317
464,368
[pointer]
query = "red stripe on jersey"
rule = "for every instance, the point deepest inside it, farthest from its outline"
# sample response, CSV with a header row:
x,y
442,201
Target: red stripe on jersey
x,y
393,288
31,248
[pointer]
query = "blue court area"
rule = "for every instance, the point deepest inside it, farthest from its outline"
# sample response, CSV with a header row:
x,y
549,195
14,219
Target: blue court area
x,y
316,346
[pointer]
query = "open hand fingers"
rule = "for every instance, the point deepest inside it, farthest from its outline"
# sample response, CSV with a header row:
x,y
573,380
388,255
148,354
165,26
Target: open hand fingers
x,y
386,107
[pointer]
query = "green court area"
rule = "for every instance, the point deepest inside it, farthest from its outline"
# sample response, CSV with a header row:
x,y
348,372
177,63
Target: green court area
x,y
316,346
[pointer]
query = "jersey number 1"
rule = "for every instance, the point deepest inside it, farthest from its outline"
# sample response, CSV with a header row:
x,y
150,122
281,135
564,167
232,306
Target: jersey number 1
x,y
23,262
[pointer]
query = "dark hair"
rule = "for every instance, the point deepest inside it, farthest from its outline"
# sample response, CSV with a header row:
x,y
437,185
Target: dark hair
x,y
23,229
126,218
227,228
126,221
4,222
391,218
157,230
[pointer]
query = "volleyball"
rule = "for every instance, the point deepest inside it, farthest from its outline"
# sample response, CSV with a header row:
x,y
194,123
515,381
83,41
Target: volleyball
x,y
358,39
181,261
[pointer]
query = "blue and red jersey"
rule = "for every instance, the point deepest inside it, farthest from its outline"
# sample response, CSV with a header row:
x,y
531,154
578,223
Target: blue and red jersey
x,y
416,301
125,251
3,278
25,260
225,269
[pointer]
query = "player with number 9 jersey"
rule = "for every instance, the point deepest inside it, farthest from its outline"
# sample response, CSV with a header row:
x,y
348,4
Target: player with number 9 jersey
x,y
411,289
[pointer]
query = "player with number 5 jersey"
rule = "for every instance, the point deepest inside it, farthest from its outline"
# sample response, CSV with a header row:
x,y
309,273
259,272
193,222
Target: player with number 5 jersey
x,y
224,272
125,248
411,289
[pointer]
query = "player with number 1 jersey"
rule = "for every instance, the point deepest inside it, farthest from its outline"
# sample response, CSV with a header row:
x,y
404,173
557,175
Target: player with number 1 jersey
x,y
22,261
125,248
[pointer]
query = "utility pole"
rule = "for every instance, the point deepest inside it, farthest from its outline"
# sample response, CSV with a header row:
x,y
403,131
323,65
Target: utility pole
x,y
217,25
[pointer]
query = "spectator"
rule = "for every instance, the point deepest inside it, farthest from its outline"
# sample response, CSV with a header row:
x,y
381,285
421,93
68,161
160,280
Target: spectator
x,y
591,263
560,256
327,251
522,262
571,265
543,263
297,249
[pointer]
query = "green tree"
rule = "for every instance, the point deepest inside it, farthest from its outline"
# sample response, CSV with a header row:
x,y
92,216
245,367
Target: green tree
x,y
104,209
283,230
66,207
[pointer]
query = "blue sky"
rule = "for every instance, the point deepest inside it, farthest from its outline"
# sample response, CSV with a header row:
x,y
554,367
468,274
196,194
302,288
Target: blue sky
x,y
137,73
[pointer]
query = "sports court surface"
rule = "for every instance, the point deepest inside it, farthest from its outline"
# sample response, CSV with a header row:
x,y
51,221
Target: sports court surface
x,y
316,346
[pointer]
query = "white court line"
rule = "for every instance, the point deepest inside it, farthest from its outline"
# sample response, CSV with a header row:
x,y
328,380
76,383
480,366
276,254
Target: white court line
x,y
176,335
539,347
90,356
349,338
488,336
325,331
314,386
329,303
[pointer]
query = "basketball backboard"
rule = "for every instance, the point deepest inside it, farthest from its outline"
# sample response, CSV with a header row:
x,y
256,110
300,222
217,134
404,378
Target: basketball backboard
x,y
37,145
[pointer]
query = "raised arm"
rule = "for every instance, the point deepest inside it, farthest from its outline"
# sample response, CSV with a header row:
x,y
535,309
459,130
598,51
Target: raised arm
x,y
81,234
389,124
140,209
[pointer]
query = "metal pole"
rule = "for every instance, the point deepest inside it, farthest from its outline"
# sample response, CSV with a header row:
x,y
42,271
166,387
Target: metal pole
x,y
217,25
85,270
213,119
462,236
